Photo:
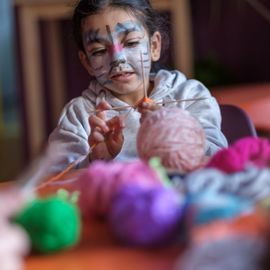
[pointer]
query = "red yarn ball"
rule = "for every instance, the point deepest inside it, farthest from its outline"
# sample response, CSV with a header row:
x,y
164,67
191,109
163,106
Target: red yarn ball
x,y
249,150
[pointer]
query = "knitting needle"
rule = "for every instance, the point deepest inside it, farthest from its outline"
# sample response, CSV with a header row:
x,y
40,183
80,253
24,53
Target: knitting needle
x,y
120,108
67,169
143,77
74,163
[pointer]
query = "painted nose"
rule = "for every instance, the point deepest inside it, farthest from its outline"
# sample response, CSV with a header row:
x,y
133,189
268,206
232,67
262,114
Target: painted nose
x,y
117,62
118,57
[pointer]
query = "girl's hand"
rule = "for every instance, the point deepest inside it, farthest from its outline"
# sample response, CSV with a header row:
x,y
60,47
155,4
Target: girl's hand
x,y
106,137
145,107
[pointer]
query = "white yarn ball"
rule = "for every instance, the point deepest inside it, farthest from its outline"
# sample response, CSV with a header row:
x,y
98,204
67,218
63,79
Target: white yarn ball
x,y
174,136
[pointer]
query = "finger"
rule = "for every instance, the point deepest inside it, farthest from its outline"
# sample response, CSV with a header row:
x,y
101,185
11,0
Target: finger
x,y
149,106
93,137
103,105
116,123
118,137
95,121
115,140
96,136
101,108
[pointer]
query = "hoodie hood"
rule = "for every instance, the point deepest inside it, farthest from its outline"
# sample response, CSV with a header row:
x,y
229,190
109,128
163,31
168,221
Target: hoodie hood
x,y
165,83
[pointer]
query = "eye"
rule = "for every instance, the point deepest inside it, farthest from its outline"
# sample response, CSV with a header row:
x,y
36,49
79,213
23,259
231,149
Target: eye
x,y
131,43
98,52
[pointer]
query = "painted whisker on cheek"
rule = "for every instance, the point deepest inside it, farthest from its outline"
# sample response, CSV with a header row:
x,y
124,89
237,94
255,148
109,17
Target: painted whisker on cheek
x,y
98,68
107,82
100,75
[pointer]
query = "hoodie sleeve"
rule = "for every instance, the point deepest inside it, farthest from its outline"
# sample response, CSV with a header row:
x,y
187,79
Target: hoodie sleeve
x,y
72,133
206,111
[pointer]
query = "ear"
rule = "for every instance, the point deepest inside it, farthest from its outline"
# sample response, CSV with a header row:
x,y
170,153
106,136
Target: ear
x,y
155,46
85,62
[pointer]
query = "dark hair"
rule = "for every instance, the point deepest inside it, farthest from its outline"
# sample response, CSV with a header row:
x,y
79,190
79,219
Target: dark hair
x,y
141,9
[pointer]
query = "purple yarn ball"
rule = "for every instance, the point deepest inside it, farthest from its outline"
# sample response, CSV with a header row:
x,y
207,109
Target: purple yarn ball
x,y
146,217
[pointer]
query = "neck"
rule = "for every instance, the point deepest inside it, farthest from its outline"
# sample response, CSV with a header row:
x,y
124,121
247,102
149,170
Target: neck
x,y
136,96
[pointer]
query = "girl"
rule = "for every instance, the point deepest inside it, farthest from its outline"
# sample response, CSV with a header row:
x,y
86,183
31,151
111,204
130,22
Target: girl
x,y
119,42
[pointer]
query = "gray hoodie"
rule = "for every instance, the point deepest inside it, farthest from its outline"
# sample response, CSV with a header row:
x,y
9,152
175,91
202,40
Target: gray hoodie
x,y
73,128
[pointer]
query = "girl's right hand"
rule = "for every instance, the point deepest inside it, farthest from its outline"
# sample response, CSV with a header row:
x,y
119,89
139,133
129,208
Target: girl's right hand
x,y
106,137
146,107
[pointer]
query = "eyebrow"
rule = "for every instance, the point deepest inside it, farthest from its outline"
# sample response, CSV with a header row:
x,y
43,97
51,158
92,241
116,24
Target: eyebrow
x,y
92,36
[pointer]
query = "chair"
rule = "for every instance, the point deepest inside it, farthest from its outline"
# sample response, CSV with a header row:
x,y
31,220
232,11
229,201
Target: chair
x,y
236,123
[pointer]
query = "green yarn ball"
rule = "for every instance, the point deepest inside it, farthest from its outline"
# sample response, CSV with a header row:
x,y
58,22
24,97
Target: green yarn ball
x,y
52,224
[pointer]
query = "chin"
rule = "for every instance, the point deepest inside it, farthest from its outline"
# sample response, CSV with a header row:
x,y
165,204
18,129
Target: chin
x,y
124,89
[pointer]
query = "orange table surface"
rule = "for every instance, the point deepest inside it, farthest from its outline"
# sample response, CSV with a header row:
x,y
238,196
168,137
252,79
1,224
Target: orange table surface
x,y
98,250
253,98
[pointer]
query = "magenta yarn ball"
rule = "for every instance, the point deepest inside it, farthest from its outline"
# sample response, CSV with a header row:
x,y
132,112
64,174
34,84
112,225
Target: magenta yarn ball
x,y
244,152
101,180
174,136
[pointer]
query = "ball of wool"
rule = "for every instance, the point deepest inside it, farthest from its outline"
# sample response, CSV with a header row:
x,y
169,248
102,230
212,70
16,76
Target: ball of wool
x,y
145,217
101,180
14,245
174,136
252,183
51,223
206,207
234,253
249,150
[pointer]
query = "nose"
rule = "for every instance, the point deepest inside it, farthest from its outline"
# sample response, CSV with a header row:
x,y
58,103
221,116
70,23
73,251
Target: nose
x,y
118,56
117,62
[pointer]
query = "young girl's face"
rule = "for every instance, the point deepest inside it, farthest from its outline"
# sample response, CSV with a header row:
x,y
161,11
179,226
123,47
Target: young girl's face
x,y
116,46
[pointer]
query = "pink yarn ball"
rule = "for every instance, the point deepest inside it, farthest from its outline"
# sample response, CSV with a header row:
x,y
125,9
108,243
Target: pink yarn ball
x,y
249,150
14,242
174,136
101,180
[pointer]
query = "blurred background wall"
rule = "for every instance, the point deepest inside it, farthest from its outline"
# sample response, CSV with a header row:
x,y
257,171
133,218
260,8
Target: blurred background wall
x,y
11,151
220,42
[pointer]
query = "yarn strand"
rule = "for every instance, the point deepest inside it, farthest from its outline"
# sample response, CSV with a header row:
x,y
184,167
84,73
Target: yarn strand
x,y
120,108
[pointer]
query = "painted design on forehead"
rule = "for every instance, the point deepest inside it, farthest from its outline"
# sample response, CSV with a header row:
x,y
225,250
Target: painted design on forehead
x,y
128,27
108,29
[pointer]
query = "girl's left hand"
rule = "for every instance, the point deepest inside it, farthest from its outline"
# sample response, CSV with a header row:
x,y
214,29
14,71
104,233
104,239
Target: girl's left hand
x,y
146,107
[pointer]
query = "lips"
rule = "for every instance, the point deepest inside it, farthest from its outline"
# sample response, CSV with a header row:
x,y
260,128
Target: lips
x,y
122,76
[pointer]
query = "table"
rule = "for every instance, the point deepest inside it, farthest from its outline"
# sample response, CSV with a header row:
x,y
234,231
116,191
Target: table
x,y
253,98
98,250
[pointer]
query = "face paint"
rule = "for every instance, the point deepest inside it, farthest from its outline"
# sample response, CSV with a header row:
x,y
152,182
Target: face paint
x,y
115,57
